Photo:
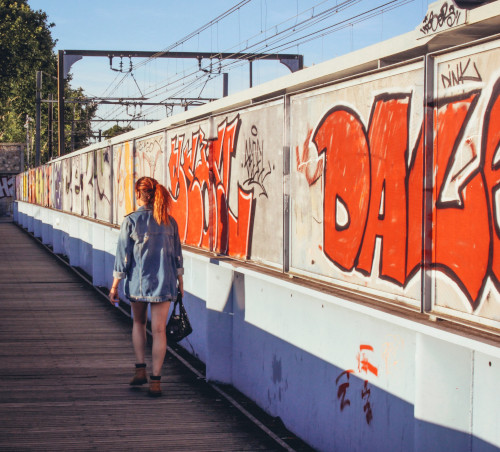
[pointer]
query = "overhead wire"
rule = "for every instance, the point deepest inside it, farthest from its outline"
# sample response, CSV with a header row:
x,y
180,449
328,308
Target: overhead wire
x,y
195,32
336,9
112,88
336,27
239,5
332,28
270,44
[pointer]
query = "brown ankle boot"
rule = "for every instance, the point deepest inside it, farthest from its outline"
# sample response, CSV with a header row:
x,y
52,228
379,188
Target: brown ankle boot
x,y
154,388
140,377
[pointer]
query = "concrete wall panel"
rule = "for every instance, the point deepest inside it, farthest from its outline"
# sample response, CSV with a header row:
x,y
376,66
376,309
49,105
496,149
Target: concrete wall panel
x,y
104,185
123,180
76,183
485,418
353,146
443,395
87,184
149,156
466,189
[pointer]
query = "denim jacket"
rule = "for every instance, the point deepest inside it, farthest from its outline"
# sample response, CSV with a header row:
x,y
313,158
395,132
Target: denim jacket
x,y
148,257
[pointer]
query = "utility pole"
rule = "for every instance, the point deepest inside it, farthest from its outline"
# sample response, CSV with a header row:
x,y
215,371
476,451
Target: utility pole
x,y
37,117
60,103
51,127
27,126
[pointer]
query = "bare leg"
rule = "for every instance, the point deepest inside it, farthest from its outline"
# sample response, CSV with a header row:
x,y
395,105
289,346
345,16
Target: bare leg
x,y
159,313
139,311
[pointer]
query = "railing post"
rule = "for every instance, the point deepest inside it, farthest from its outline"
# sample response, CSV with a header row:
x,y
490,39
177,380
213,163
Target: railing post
x,y
286,185
428,184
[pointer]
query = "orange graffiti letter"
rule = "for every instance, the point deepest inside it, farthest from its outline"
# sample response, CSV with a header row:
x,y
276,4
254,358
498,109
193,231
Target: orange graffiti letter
x,y
388,137
342,137
461,234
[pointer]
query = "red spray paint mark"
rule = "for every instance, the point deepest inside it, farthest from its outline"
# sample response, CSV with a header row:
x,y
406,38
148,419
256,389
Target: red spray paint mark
x,y
364,364
309,163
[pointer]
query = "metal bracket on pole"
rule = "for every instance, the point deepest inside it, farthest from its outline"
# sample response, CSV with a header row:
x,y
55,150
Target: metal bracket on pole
x,y
294,64
69,60
60,102
66,58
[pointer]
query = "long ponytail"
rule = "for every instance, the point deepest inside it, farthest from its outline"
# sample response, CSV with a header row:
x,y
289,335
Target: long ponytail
x,y
155,195
161,205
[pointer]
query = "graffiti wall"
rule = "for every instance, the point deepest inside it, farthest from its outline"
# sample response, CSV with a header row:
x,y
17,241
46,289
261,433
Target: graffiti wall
x,y
67,180
58,185
227,193
348,208
7,186
252,184
354,213
103,185
48,186
357,183
466,245
39,183
7,194
149,157
123,180
87,184
76,185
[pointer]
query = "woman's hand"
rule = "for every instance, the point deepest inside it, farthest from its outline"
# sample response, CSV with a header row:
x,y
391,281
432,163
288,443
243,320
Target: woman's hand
x,y
113,292
180,284
113,295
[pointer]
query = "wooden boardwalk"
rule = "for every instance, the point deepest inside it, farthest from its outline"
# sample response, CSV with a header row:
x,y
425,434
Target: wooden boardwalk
x,y
65,361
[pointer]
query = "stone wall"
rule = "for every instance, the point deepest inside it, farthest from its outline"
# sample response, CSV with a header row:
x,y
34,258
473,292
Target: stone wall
x,y
11,163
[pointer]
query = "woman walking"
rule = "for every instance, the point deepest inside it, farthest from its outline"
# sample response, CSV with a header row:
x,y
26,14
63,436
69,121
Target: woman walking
x,y
149,259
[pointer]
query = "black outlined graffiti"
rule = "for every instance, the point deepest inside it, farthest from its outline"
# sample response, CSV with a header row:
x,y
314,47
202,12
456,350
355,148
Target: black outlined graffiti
x,y
67,173
257,169
7,187
460,74
448,16
103,172
58,185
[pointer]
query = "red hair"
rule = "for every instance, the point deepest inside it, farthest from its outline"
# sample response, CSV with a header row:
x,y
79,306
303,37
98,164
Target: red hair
x,y
155,194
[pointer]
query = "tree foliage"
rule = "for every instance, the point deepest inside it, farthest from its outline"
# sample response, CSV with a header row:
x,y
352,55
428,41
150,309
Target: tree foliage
x,y
27,46
116,130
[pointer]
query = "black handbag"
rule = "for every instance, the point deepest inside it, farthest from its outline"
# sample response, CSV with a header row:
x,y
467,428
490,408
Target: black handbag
x,y
178,326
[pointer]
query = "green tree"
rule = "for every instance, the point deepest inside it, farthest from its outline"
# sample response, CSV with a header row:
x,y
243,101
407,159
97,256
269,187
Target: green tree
x,y
77,117
27,46
116,130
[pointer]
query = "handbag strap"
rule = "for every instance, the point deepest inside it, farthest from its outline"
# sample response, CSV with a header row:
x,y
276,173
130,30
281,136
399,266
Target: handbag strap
x,y
177,303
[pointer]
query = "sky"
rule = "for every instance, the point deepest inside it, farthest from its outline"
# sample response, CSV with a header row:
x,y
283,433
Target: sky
x,y
155,25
